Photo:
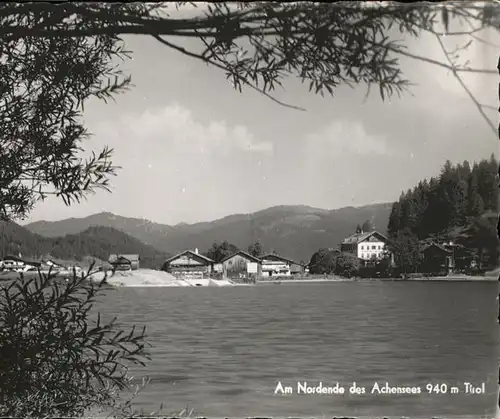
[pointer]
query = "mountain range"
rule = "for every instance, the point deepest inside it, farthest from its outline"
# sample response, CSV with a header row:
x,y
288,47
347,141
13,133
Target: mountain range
x,y
95,242
293,231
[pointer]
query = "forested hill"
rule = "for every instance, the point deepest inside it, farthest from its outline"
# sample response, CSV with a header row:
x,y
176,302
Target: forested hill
x,y
97,242
461,204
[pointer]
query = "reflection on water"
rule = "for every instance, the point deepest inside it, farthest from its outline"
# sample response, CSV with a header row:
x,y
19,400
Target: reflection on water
x,y
223,351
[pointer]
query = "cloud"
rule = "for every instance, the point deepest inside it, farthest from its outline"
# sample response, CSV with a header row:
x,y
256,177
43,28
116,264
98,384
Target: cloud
x,y
348,137
174,127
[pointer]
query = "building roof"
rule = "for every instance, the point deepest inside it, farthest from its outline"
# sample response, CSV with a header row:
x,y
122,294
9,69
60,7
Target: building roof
x,y
121,259
192,253
131,258
32,262
23,260
12,257
59,262
284,259
437,247
359,237
244,254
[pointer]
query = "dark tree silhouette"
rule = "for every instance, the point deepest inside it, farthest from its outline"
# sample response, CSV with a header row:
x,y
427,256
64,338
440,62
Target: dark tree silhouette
x,y
53,360
323,262
255,249
220,251
367,226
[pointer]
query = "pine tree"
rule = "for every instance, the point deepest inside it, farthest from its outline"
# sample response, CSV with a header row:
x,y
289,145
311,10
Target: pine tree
x,y
367,226
475,204
464,170
488,184
394,219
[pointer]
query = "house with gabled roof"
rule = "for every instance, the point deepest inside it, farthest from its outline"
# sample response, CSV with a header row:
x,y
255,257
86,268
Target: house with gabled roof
x,y
122,259
189,263
241,265
18,264
438,258
273,264
365,246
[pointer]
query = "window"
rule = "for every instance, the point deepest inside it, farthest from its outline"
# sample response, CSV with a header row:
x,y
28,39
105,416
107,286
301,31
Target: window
x,y
380,247
362,247
374,247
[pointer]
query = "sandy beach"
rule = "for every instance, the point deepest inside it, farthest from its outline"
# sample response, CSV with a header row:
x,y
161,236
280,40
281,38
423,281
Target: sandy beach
x,y
152,278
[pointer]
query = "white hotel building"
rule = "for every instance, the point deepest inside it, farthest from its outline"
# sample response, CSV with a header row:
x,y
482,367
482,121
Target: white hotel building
x,y
365,246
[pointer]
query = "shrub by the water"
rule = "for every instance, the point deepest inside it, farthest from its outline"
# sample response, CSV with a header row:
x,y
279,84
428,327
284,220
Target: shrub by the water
x,y
55,360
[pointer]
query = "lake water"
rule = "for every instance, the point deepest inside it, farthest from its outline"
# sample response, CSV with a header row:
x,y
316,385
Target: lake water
x,y
223,351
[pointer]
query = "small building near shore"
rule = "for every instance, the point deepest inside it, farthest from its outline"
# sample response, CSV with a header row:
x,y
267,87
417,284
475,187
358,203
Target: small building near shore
x,y
189,264
121,263
241,265
276,265
437,259
18,264
121,260
13,263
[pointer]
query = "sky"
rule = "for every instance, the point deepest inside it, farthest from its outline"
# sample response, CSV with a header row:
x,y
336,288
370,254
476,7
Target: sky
x,y
191,148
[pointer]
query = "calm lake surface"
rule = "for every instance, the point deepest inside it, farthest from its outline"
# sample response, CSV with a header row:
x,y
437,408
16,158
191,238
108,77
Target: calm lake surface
x,y
223,351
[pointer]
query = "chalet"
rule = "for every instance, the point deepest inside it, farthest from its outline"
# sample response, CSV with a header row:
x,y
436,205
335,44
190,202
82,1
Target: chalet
x,y
365,246
17,264
189,264
437,258
133,259
121,263
13,263
241,265
275,265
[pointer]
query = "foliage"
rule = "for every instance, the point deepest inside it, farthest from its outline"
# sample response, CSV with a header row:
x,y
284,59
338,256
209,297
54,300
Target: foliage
x,y
481,236
220,251
377,267
452,207
255,249
53,360
346,265
406,250
328,261
323,262
367,227
44,82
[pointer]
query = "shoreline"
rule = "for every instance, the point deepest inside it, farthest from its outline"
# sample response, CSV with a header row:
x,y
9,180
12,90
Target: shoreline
x,y
423,279
150,278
